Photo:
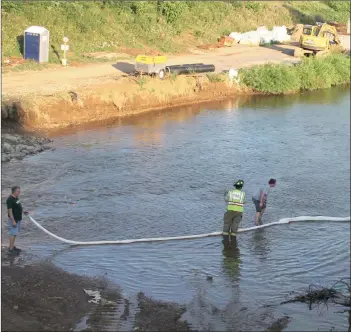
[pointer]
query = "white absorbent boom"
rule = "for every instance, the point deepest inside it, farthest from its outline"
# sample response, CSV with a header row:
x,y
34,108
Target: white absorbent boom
x,y
188,237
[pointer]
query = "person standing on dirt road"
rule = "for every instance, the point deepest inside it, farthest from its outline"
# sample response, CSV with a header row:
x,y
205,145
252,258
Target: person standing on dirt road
x,y
14,208
260,199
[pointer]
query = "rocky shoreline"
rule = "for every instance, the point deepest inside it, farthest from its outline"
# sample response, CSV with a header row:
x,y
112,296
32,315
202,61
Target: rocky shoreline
x,y
17,145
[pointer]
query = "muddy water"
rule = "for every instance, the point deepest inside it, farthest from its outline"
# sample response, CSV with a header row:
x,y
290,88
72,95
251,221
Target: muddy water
x,y
164,174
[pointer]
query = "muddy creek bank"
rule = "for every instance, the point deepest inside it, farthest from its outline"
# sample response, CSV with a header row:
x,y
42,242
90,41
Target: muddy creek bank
x,y
41,297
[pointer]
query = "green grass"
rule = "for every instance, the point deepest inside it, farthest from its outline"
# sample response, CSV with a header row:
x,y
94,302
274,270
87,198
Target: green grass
x,y
141,82
164,26
216,78
310,74
28,65
320,11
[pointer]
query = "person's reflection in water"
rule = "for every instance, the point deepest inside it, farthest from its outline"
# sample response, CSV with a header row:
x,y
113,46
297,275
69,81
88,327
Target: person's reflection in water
x,y
231,257
260,244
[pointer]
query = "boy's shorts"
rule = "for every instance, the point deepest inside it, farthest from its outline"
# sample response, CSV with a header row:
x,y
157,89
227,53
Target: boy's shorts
x,y
257,205
14,230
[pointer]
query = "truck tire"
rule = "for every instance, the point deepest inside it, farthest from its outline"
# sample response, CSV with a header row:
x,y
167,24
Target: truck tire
x,y
161,74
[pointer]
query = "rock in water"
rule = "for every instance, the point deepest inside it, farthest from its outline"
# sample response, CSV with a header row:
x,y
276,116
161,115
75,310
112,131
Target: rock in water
x,y
19,148
31,149
19,145
7,148
18,156
4,158
10,138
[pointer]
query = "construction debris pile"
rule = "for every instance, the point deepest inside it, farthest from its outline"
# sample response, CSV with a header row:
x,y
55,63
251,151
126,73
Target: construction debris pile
x,y
262,36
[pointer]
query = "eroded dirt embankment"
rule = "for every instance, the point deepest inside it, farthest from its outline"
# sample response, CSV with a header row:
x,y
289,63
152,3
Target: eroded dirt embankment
x,y
127,96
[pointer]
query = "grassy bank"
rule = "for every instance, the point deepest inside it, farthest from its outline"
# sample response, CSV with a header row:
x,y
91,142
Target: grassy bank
x,y
310,74
164,26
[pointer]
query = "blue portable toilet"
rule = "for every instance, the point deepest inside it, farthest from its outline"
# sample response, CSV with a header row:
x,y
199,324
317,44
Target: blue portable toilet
x,y
36,44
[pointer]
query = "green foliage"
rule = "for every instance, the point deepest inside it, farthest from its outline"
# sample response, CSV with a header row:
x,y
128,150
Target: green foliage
x,y
173,10
322,11
270,78
315,73
11,7
319,73
255,6
173,77
216,78
312,73
236,4
339,6
141,82
165,26
342,66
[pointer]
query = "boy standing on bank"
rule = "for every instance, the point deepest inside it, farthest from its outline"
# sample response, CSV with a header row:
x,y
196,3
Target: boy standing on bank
x,y
14,208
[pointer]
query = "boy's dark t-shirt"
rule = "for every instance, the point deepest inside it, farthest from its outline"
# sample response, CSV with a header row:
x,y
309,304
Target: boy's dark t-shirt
x,y
16,206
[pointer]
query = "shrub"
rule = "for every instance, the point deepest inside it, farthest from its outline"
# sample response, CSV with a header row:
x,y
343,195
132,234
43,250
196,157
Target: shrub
x,y
172,11
312,73
325,72
276,79
315,73
341,65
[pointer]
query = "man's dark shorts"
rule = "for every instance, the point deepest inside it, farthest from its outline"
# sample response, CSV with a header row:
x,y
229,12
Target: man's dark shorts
x,y
257,205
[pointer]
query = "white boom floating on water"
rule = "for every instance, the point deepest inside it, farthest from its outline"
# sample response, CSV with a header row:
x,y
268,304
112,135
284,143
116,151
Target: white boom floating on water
x,y
189,237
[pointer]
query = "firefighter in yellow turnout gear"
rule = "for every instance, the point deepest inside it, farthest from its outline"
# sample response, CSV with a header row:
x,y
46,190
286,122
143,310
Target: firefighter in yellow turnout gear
x,y
235,199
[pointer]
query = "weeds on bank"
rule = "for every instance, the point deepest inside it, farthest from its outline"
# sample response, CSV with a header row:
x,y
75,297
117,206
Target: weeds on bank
x,y
216,78
28,65
141,80
310,74
173,77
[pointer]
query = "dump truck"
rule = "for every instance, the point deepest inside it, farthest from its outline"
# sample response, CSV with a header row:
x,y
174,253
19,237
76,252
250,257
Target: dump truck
x,y
317,40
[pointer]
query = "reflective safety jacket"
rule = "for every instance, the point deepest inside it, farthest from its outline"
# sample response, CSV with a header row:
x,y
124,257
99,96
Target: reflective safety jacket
x,y
235,199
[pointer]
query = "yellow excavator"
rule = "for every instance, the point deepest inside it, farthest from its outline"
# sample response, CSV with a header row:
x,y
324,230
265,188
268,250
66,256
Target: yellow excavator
x,y
317,40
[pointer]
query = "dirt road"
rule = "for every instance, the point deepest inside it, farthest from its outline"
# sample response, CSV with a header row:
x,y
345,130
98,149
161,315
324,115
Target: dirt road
x,y
59,79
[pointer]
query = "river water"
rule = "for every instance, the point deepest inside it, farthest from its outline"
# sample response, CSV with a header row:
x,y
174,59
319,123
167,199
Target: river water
x,y
165,173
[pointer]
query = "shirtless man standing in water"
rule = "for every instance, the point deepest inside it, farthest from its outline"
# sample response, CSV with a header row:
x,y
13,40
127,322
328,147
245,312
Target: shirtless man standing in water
x,y
260,199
